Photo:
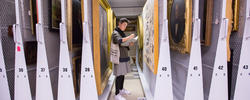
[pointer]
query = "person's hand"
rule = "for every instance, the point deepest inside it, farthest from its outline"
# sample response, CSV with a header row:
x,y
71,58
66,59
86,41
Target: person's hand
x,y
131,36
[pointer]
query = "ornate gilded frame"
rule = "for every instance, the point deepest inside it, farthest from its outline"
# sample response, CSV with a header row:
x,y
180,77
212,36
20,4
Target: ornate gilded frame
x,y
140,41
101,82
184,45
236,10
209,19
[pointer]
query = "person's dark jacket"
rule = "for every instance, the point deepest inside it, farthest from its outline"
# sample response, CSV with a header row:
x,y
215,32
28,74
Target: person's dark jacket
x,y
117,36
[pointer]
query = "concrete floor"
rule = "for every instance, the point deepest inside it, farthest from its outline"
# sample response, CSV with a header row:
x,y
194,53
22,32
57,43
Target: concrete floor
x,y
133,84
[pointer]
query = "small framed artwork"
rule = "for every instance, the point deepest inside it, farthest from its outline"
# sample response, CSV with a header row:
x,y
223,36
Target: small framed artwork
x,y
55,14
180,24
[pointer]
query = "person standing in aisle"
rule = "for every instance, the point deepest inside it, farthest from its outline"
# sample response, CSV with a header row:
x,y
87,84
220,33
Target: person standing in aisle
x,y
121,69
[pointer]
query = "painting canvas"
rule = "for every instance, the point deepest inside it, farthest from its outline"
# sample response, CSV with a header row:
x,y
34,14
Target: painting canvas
x,y
207,22
180,24
140,41
30,49
33,16
103,41
76,61
102,19
55,14
150,36
77,30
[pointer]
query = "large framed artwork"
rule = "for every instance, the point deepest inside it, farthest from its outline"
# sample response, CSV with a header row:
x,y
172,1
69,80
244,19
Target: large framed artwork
x,y
140,41
102,30
207,18
180,24
150,34
33,16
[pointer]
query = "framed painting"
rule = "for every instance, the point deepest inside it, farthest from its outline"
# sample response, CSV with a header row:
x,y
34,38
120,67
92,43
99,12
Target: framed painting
x,y
76,62
74,25
30,49
33,16
207,22
102,30
55,14
76,34
206,16
150,34
140,41
180,24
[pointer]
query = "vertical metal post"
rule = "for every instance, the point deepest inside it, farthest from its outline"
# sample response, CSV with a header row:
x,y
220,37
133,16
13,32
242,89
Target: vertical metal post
x,y
43,82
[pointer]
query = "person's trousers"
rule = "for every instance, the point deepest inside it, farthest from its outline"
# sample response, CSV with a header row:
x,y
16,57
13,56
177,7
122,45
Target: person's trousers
x,y
119,81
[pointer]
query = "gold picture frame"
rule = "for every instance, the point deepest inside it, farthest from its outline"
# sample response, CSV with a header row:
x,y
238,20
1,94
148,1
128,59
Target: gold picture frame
x,y
184,43
208,25
151,34
74,37
140,41
101,81
33,16
236,10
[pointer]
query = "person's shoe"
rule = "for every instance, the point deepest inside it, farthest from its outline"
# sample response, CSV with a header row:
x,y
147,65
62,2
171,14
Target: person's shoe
x,y
125,92
119,97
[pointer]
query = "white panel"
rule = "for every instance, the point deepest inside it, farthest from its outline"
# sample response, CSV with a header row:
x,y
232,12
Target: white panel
x,y
88,90
43,82
194,85
164,88
219,82
4,87
22,86
242,88
65,81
